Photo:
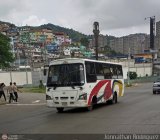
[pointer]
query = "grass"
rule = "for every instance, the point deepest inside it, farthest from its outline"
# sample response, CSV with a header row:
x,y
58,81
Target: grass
x,y
32,90
128,85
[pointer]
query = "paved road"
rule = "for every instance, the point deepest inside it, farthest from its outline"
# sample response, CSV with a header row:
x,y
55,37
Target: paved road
x,y
137,112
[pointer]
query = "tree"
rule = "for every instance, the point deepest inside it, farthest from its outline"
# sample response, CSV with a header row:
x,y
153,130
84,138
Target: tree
x,y
109,51
85,42
5,54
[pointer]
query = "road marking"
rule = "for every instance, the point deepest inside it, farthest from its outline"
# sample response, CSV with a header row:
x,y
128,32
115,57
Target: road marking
x,y
37,101
26,104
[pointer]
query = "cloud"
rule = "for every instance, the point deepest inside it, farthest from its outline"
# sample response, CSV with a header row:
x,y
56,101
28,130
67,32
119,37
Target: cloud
x,y
117,15
34,21
126,31
126,16
14,10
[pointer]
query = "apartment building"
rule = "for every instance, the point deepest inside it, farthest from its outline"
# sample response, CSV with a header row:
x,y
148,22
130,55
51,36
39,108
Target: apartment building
x,y
62,39
3,28
49,36
24,36
157,42
102,42
135,43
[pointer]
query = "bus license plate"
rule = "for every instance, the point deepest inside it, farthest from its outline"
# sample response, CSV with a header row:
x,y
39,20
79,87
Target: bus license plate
x,y
64,103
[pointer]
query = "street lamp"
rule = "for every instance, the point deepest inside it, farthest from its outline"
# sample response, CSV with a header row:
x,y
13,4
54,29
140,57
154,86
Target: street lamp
x,y
26,75
96,34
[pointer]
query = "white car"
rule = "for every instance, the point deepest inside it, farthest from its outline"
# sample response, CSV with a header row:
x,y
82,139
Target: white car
x,y
156,86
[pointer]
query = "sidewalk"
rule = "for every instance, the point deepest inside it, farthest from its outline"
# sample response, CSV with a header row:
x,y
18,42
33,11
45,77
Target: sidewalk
x,y
27,98
2,101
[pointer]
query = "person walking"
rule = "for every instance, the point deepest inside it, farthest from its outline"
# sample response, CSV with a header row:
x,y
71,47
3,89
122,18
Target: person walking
x,y
10,92
15,91
2,85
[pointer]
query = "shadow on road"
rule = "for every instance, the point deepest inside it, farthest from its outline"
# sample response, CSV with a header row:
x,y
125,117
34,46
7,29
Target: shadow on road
x,y
84,110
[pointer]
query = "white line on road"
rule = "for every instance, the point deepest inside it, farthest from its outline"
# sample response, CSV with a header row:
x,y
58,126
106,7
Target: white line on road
x,y
37,101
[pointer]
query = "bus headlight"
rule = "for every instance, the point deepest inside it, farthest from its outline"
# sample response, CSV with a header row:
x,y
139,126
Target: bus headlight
x,y
83,97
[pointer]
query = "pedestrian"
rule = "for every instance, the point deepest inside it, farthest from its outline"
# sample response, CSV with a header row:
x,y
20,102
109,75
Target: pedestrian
x,y
15,91
2,85
10,92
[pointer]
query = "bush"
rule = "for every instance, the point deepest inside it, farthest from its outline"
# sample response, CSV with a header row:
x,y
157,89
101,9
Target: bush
x,y
132,75
41,84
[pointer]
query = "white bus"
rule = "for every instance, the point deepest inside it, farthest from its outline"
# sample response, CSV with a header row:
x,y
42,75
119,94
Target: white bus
x,y
77,82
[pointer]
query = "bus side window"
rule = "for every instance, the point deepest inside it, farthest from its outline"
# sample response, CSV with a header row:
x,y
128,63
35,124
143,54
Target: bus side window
x,y
113,69
99,71
107,71
90,72
119,72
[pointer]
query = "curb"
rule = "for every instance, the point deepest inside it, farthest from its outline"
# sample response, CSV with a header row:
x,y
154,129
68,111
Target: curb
x,y
2,103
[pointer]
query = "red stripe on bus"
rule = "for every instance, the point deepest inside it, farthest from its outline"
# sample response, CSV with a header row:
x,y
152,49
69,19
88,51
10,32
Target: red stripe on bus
x,y
96,90
108,90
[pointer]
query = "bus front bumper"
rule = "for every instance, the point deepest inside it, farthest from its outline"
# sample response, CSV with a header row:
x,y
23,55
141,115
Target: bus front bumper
x,y
67,104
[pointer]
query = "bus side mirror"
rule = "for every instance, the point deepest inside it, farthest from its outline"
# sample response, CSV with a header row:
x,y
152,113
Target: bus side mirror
x,y
44,72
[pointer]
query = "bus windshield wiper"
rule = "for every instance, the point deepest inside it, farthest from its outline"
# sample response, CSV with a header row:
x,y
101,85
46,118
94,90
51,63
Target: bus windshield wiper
x,y
52,85
71,83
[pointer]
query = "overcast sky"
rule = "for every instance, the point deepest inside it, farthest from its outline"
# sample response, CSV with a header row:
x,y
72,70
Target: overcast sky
x,y
115,17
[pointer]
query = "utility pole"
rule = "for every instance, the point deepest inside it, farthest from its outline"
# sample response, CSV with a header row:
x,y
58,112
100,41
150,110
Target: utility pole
x,y
96,35
128,75
26,75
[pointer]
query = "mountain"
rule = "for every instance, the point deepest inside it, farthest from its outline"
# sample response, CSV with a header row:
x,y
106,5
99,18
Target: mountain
x,y
74,35
7,23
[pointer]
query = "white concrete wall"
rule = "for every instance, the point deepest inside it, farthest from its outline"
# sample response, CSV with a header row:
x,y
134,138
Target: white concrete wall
x,y
19,77
142,69
34,77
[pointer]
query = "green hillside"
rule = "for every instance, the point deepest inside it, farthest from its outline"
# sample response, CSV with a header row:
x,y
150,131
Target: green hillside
x,y
74,35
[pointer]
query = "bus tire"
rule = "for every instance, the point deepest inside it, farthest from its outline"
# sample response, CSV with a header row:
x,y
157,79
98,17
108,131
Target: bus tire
x,y
60,109
154,92
93,103
90,108
114,100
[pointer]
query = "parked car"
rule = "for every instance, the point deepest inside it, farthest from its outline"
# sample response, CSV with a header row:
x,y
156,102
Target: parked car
x,y
156,86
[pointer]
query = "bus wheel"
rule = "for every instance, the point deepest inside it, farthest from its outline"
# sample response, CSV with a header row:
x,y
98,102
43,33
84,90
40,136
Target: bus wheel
x,y
60,109
114,100
90,108
94,102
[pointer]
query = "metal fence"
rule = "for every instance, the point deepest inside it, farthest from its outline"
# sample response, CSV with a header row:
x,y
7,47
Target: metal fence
x,y
143,79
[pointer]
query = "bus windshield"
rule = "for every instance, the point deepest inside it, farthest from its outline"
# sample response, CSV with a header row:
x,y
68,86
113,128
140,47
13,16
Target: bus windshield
x,y
64,75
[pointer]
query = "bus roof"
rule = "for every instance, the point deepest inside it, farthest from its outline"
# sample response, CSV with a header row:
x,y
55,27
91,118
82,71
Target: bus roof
x,y
79,60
